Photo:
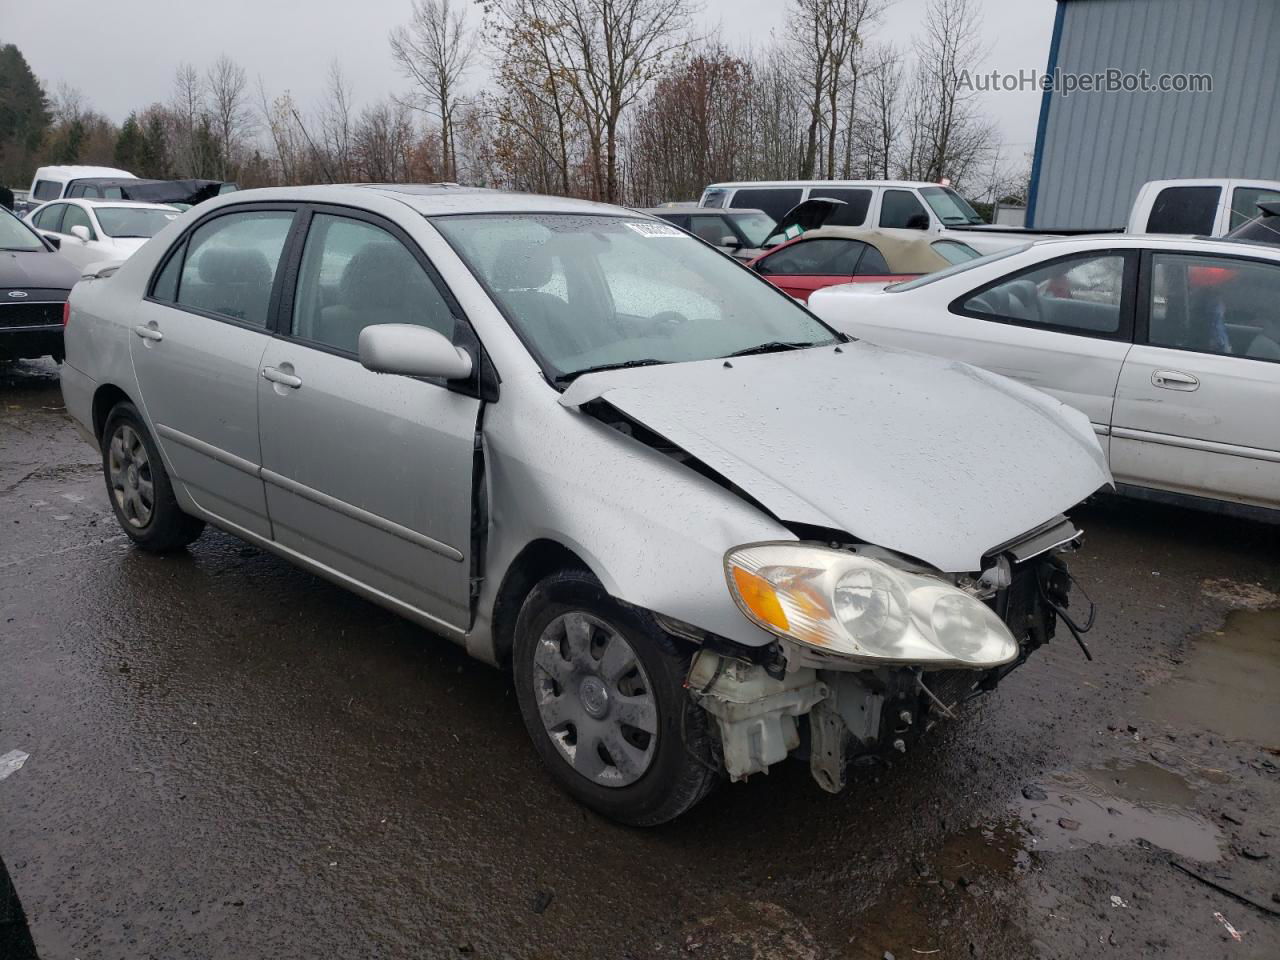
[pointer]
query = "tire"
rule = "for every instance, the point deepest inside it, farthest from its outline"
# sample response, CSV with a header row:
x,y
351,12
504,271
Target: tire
x,y
565,653
138,485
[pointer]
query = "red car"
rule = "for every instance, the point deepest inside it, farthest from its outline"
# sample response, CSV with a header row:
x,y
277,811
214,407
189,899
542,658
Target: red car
x,y
815,256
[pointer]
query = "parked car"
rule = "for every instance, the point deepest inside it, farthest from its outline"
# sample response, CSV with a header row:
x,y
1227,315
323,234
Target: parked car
x,y
34,283
873,204
179,193
739,233
691,517
1263,228
89,231
1206,207
1170,345
53,182
818,256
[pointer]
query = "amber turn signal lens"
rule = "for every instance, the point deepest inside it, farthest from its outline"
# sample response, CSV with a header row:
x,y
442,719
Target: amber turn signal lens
x,y
759,597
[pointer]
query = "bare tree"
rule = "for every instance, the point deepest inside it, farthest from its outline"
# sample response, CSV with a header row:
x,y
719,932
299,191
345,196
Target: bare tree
x,y
231,118
946,136
336,123
880,114
190,121
434,51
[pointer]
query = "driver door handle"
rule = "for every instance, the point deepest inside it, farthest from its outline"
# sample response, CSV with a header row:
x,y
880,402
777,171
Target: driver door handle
x,y
148,331
1175,380
279,376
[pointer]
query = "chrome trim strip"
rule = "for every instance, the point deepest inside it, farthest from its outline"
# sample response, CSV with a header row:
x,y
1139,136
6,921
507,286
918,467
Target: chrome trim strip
x,y
361,516
1190,443
41,328
209,450
1101,429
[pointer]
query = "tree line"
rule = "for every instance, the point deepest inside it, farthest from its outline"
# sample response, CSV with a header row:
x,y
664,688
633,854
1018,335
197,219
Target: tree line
x,y
614,100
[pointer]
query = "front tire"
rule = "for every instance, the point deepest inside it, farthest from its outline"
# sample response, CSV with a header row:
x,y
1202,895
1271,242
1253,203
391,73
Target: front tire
x,y
601,691
138,485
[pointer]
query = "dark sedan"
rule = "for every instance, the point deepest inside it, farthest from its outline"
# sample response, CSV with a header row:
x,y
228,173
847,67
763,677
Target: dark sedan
x,y
34,284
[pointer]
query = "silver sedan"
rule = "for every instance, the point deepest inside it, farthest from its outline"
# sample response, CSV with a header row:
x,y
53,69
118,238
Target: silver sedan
x,y
692,519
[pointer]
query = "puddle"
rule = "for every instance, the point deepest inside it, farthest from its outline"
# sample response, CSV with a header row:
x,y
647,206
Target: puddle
x,y
1116,804
1230,682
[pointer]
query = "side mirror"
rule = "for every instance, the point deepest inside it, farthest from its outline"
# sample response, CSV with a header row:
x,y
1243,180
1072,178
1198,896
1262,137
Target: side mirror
x,y
733,243
81,233
412,351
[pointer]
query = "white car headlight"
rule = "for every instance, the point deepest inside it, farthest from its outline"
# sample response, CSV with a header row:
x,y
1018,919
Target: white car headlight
x,y
842,603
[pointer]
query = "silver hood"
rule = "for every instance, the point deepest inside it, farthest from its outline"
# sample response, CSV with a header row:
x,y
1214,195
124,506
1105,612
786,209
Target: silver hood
x,y
926,456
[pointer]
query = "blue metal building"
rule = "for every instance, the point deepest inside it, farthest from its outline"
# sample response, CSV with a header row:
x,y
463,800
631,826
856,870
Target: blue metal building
x,y
1095,149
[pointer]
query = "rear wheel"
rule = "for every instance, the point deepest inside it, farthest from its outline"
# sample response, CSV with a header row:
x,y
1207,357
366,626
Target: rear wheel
x,y
601,690
138,485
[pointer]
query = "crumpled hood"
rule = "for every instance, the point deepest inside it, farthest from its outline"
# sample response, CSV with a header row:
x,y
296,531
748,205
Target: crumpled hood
x,y
36,270
927,456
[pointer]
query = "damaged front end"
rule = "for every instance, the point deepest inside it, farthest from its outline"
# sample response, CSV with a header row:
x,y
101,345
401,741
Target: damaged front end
x,y
867,662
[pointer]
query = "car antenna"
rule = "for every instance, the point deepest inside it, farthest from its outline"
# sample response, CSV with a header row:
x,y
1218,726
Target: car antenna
x,y
301,126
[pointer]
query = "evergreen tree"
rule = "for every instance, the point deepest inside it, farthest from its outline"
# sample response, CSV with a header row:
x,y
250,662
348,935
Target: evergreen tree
x,y
131,146
24,117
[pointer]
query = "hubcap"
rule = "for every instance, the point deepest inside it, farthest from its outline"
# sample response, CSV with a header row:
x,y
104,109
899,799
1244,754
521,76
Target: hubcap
x,y
129,473
595,699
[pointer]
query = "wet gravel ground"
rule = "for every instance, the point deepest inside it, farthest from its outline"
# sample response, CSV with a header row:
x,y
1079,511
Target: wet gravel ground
x,y
230,758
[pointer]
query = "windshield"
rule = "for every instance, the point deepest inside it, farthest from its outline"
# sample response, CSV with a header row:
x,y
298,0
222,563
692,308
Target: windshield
x,y
756,227
133,221
949,206
589,291
16,235
958,268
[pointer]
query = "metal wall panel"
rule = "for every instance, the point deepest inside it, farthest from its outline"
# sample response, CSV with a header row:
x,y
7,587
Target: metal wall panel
x,y
1099,148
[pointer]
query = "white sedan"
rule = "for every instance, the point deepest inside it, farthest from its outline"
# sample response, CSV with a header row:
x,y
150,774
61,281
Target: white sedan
x,y
1170,345
88,231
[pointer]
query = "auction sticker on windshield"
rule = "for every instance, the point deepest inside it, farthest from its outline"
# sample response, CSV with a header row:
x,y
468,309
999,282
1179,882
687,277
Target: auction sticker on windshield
x,y
654,230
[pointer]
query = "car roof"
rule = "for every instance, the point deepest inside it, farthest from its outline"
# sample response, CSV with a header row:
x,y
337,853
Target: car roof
x,y
97,203
428,199
1157,240
906,251
737,184
77,171
695,208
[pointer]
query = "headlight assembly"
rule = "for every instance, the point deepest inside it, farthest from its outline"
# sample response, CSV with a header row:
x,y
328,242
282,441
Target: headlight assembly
x,y
841,603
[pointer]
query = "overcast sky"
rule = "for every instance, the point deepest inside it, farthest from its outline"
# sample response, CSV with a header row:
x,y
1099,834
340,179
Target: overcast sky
x,y
122,55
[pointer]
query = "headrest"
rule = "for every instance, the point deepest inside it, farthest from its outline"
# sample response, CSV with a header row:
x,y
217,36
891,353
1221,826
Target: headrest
x,y
378,276
522,266
223,265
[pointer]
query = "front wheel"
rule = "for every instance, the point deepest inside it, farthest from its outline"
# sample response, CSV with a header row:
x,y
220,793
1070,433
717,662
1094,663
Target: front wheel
x,y
138,485
601,690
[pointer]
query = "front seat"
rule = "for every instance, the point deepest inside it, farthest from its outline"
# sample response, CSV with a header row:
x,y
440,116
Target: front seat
x,y
375,288
519,273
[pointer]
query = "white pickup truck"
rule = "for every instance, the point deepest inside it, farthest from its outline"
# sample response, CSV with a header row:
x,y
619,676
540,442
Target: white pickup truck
x,y
1210,207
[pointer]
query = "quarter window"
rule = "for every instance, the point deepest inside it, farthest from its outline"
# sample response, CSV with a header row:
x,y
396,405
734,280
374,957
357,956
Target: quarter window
x,y
1075,294
1215,305
820,257
47,190
872,264
355,275
1184,210
900,210
231,265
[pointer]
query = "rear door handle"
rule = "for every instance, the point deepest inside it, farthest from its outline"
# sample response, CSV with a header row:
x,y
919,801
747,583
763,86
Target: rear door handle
x,y
148,331
280,377
1175,380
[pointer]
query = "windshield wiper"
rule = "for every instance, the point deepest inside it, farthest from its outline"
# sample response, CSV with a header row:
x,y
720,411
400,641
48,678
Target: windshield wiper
x,y
620,365
773,346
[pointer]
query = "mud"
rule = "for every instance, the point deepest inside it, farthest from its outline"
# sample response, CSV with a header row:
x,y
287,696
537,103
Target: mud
x,y
231,759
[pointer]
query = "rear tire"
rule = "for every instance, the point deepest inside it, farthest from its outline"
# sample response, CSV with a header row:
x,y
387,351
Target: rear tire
x,y
591,674
138,485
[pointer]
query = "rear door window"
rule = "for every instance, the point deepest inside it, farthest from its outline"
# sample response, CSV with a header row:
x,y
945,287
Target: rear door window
x,y
900,210
1190,210
775,201
712,229
854,211
231,264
